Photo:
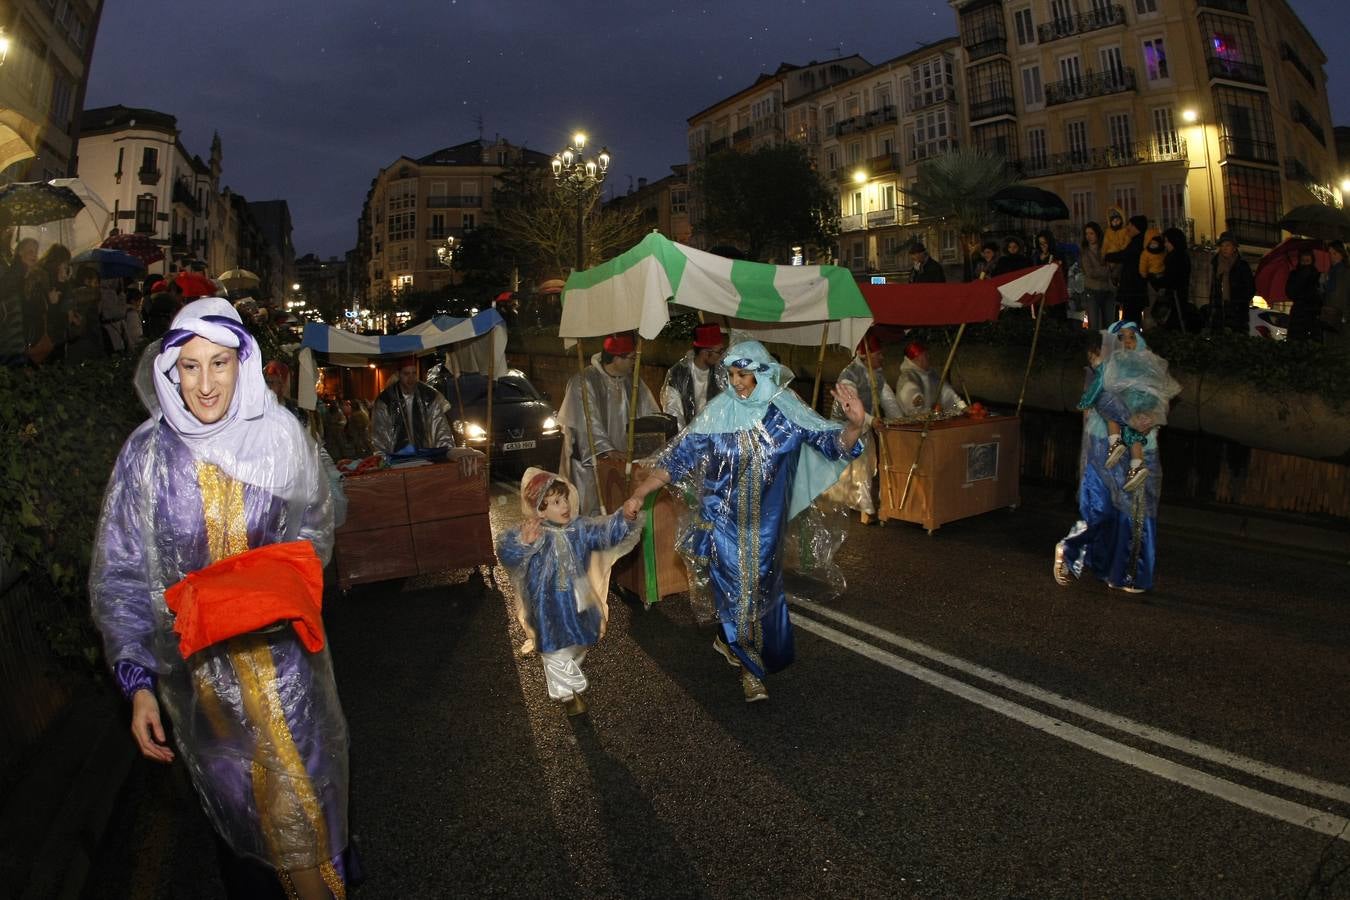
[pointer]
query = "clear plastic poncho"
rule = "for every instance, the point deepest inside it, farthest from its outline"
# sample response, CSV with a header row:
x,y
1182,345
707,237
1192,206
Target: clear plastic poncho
x,y
749,467
256,718
605,406
1138,377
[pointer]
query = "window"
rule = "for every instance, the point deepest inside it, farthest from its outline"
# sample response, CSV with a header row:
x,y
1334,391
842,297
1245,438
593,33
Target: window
x,y
932,82
1061,10
469,221
438,226
883,96
145,214
1145,7
401,194
1121,132
1026,29
1171,204
831,160
1166,143
63,92
150,160
1127,198
1037,149
999,138
855,152
470,192
827,115
1076,139
855,203
1231,49
887,195
679,200
1080,208
1033,95
402,226
79,30
1253,200
1112,66
885,146
1071,73
1155,60
931,135
1246,130
762,109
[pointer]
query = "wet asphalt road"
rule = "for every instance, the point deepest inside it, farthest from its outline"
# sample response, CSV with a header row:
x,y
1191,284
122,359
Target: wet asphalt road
x,y
878,768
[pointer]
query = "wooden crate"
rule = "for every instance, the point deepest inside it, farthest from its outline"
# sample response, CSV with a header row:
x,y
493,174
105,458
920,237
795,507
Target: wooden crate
x,y
630,572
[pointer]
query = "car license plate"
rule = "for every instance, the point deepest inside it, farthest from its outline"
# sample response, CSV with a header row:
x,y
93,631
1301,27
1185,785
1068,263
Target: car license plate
x,y
518,445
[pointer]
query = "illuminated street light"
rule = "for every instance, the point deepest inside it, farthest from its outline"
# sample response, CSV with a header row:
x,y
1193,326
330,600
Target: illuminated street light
x,y
1190,116
445,254
859,177
4,46
1345,185
577,175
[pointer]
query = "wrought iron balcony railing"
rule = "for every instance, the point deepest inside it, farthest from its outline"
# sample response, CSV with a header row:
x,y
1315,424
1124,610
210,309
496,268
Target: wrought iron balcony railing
x,y
1246,148
986,44
455,202
1257,232
1233,70
1093,84
1000,105
1139,153
1069,26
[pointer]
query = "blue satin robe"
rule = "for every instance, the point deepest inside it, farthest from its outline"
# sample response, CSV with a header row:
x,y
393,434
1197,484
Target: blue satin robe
x,y
744,481
551,571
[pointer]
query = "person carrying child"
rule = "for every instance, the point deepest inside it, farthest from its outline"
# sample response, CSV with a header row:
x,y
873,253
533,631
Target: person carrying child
x,y
1139,377
560,566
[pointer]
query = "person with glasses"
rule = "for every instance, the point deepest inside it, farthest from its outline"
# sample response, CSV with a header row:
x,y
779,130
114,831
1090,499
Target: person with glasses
x,y
691,382
608,386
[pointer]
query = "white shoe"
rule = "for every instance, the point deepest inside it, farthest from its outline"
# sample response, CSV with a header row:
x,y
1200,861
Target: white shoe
x,y
1136,478
1061,568
1115,454
721,647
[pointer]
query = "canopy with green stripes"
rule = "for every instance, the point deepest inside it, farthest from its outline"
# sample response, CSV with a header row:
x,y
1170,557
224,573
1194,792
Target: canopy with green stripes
x,y
783,304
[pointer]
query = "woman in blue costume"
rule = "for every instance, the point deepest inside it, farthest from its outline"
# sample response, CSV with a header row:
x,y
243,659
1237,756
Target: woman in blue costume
x,y
1116,534
220,469
743,459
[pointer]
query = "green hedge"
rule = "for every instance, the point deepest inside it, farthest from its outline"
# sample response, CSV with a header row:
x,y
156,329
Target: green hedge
x,y
61,430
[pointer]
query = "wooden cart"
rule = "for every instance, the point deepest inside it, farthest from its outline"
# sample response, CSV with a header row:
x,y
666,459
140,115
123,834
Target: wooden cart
x,y
970,466
665,563
413,521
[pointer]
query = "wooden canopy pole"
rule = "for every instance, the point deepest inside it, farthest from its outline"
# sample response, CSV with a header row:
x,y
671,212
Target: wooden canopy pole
x,y
923,435
459,397
883,452
632,410
820,363
492,353
1031,357
590,435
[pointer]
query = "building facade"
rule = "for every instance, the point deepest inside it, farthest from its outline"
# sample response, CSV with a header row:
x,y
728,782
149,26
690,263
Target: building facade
x,y
664,204
273,218
42,85
414,205
1210,115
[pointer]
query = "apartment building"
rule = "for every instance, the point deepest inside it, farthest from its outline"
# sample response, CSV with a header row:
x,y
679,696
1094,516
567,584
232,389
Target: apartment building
x,y
875,130
44,68
1210,115
664,204
414,204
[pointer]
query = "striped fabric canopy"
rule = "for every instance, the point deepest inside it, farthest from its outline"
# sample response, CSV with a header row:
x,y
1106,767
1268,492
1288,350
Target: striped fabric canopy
x,y
634,290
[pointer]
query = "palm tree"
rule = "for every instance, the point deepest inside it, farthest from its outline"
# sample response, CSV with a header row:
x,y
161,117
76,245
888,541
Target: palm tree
x,y
955,188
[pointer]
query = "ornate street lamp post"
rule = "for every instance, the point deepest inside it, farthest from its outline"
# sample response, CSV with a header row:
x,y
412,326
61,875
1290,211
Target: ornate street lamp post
x,y
577,175
445,253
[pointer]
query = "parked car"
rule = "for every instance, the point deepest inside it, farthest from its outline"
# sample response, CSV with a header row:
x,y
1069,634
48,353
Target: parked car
x,y
1267,323
525,427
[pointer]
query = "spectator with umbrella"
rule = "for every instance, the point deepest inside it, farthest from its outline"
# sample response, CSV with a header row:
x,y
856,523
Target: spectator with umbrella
x,y
47,311
1304,290
13,333
1336,299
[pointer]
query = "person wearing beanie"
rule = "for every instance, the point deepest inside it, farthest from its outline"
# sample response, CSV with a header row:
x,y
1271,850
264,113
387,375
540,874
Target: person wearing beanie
x,y
923,268
691,382
1013,259
917,389
560,565
608,386
1132,292
854,489
1231,287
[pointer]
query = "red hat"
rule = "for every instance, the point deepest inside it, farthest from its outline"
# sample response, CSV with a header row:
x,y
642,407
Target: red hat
x,y
914,349
619,344
159,286
708,335
195,285
869,344
534,491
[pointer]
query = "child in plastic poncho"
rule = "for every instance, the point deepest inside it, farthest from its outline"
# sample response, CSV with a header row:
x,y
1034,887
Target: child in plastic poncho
x,y
1139,377
560,565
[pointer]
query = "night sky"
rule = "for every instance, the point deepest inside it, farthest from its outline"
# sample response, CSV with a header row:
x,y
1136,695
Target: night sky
x,y
312,98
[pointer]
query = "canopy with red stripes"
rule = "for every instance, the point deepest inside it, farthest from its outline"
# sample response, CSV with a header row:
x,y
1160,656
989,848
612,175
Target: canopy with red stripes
x,y
975,301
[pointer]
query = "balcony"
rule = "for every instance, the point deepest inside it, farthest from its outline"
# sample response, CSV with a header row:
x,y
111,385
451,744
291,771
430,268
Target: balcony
x,y
852,223
1140,153
1233,70
742,134
986,43
1305,118
1081,24
1232,6
182,194
849,125
1295,170
148,176
880,218
1249,149
1001,105
1289,55
717,146
1094,84
886,162
884,115
1256,232
918,102
455,202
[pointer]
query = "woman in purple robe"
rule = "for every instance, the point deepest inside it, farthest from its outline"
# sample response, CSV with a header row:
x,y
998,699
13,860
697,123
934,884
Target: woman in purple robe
x,y
220,469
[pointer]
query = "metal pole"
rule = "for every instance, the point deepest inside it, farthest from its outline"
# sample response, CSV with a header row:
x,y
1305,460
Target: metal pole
x,y
1035,336
883,453
632,409
492,353
581,233
820,363
923,435
590,435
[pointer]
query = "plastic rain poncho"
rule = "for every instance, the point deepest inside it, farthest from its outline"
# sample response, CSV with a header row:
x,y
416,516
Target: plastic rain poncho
x,y
609,397
562,579
256,718
1139,377
918,390
751,465
854,487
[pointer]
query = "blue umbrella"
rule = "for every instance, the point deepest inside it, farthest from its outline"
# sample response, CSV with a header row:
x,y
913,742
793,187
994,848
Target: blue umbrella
x,y
110,263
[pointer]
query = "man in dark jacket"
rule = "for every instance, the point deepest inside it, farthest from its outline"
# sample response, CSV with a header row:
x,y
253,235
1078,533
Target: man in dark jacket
x,y
925,269
1231,287
1132,294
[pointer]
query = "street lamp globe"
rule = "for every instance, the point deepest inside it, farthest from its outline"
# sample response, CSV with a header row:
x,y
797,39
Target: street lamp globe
x,y
859,177
296,286
1190,116
576,176
1345,185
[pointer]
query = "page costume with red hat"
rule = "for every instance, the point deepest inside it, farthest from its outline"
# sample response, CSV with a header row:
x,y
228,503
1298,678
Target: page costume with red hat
x,y
251,697
609,397
917,389
562,581
854,487
692,381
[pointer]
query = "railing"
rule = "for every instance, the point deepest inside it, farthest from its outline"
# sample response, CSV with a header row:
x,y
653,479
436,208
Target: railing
x,y
1295,170
852,223
439,234
717,146
881,217
1248,148
986,46
1232,6
1081,24
1257,232
1305,118
455,202
849,125
995,106
917,103
1232,70
742,134
931,149
883,116
1289,55
1140,153
148,176
1093,84
886,162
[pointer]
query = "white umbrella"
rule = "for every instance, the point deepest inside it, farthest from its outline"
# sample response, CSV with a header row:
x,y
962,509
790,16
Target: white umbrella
x,y
83,231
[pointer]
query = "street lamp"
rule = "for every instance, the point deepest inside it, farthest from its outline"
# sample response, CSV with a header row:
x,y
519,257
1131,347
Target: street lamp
x,y
577,175
445,253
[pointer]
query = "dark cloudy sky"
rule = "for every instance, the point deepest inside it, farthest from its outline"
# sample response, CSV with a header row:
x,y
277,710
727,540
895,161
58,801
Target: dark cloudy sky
x,y
313,97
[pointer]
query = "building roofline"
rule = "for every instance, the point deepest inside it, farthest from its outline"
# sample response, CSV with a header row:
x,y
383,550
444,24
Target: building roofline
x,y
107,119
778,76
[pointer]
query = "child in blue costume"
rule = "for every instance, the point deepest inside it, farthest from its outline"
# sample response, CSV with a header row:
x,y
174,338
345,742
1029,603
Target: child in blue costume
x,y
560,565
1139,378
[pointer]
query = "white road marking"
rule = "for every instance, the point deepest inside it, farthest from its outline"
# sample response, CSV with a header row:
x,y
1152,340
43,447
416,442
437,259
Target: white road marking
x,y
1275,807
1275,774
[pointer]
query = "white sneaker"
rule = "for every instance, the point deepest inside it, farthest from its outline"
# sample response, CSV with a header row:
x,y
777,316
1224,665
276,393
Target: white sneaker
x,y
1136,478
1115,454
1061,568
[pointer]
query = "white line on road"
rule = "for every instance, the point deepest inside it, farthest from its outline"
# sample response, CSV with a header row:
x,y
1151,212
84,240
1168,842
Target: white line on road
x,y
1275,807
1275,774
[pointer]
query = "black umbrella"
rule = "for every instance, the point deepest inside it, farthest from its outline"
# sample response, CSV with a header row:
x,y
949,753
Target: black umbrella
x,y
1023,201
37,203
1316,220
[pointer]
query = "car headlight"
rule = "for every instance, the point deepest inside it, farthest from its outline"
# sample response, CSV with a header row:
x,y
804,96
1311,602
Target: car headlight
x,y
550,425
474,431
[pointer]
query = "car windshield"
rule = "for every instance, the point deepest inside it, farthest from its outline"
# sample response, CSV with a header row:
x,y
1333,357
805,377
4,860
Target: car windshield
x,y
506,389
